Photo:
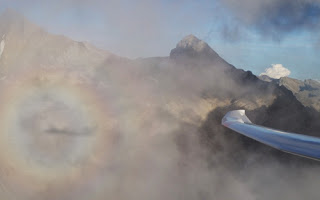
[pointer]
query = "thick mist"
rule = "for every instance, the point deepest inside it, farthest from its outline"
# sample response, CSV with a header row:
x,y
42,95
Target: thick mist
x,y
152,138
79,123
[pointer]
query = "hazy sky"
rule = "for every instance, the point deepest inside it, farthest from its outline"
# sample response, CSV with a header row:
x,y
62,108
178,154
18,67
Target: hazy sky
x,y
249,34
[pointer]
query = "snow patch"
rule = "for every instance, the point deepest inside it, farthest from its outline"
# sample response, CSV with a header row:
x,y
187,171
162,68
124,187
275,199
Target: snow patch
x,y
2,45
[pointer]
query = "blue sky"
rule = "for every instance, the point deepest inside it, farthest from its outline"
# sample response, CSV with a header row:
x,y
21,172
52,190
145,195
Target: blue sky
x,y
249,34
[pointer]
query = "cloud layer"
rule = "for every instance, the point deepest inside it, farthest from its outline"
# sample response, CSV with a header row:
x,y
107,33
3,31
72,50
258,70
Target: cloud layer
x,y
151,28
276,71
275,18
129,28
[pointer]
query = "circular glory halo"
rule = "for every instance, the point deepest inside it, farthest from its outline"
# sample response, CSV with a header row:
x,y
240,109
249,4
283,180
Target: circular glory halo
x,y
52,151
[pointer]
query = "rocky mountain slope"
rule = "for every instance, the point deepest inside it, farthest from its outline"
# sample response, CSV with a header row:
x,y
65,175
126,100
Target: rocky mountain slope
x,y
307,91
25,45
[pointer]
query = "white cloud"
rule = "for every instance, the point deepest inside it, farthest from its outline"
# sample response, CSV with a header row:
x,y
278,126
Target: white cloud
x,y
276,71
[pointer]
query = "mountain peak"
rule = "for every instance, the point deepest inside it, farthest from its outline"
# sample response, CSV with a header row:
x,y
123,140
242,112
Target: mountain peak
x,y
193,42
192,47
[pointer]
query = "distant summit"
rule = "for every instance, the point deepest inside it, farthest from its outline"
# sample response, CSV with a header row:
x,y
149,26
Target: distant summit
x,y
192,47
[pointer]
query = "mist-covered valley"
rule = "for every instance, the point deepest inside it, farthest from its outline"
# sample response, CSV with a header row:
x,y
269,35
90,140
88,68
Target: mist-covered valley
x,y
79,122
